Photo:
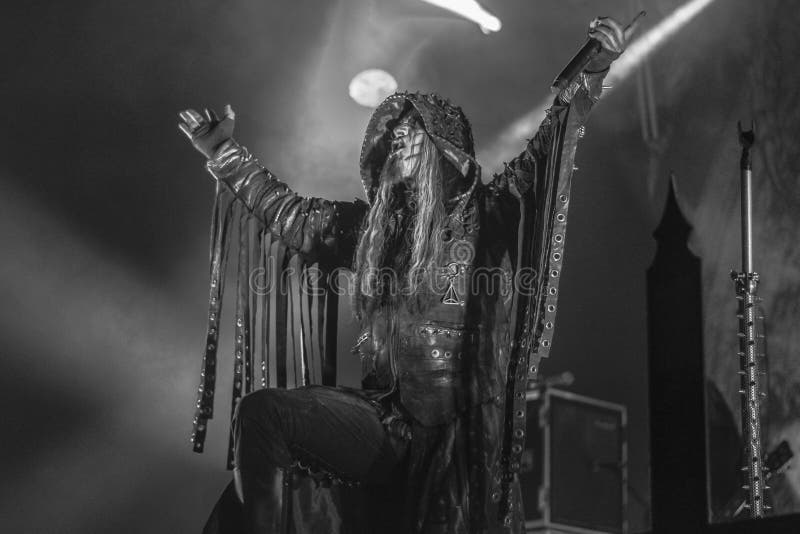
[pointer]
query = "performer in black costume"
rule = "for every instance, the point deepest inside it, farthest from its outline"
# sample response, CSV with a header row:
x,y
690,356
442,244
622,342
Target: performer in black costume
x,y
436,263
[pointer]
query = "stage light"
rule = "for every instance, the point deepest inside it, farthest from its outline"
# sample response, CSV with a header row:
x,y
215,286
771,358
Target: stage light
x,y
470,10
369,87
510,141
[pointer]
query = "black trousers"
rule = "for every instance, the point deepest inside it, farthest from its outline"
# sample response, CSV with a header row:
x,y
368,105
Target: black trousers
x,y
330,428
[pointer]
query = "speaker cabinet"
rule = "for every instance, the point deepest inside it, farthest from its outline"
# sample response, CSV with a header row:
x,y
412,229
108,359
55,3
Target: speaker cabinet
x,y
574,467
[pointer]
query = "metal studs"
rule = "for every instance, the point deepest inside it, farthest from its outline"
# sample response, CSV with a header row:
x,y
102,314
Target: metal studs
x,y
545,343
554,273
448,355
558,238
435,353
556,256
552,291
519,433
239,322
563,198
551,308
561,217
548,325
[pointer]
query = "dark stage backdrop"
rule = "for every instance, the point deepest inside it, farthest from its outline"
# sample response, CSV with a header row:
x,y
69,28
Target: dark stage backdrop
x,y
104,212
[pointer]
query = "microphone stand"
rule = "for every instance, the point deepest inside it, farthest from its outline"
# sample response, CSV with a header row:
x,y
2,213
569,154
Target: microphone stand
x,y
746,283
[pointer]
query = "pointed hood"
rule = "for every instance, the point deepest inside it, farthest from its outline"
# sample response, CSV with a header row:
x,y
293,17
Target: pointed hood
x,y
445,124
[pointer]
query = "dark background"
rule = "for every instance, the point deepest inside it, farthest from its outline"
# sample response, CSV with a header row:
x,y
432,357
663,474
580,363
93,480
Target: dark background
x,y
104,211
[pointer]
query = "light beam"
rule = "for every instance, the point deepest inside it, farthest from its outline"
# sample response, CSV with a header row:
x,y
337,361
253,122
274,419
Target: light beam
x,y
470,10
512,139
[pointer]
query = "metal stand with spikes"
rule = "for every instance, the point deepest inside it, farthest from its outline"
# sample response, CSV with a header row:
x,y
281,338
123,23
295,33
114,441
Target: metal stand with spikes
x,y
746,283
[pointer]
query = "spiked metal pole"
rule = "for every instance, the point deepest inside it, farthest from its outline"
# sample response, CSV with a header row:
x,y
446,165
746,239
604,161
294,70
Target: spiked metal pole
x,y
746,287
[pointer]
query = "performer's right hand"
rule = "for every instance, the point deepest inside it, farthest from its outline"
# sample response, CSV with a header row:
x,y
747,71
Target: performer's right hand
x,y
207,132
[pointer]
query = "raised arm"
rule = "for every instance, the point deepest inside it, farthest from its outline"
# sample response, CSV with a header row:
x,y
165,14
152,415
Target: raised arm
x,y
313,227
573,103
541,176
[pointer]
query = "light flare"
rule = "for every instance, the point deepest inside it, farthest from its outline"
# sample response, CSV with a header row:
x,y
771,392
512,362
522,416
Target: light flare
x,y
370,87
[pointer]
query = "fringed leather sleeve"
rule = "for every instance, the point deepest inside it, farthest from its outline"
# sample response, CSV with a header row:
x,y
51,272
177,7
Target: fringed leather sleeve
x,y
541,177
581,95
316,228
287,252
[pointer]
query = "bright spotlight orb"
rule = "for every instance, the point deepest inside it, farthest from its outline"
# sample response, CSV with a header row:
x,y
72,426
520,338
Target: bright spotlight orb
x,y
370,87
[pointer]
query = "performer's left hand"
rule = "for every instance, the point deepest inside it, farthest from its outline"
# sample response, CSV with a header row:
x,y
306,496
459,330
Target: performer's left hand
x,y
614,39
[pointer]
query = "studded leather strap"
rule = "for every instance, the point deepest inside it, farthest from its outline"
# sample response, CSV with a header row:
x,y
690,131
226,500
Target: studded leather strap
x,y
543,176
220,221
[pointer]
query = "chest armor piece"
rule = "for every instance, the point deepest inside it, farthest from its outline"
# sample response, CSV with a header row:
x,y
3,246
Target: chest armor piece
x,y
436,348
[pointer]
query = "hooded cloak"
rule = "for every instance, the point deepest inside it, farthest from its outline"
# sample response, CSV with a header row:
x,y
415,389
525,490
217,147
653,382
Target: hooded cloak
x,y
459,373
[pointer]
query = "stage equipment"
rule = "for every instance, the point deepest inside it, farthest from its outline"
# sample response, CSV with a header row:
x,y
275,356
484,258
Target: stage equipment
x,y
750,332
574,467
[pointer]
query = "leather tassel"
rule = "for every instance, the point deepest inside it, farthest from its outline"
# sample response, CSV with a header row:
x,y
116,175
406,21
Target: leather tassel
x,y
254,258
543,219
218,252
310,284
242,349
268,274
331,322
320,294
301,310
291,331
280,297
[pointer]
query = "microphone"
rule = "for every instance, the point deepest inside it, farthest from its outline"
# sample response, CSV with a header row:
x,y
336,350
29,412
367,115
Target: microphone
x,y
565,379
576,65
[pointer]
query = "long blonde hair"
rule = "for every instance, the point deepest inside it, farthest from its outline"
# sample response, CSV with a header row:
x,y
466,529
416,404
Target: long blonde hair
x,y
378,279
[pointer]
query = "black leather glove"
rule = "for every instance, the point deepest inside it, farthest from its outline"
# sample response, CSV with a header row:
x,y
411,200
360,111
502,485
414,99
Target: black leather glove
x,y
207,132
612,37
